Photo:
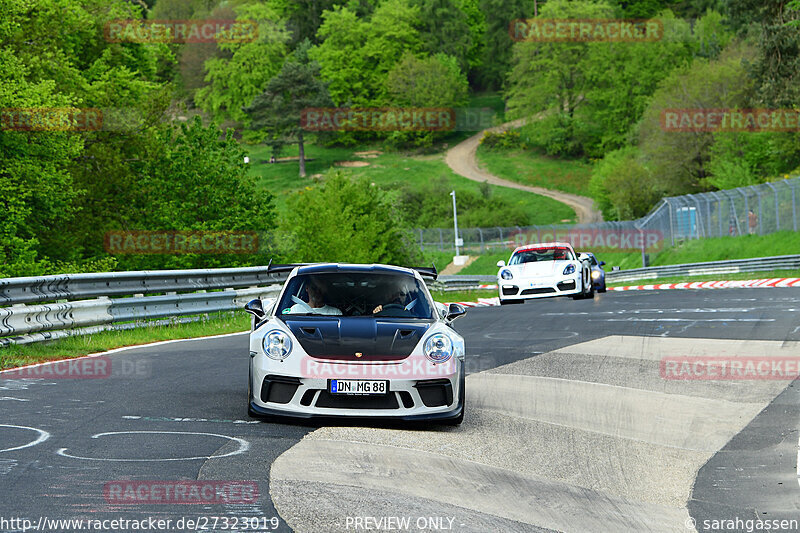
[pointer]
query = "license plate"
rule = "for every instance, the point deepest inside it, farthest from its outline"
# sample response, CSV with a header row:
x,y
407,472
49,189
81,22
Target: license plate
x,y
358,386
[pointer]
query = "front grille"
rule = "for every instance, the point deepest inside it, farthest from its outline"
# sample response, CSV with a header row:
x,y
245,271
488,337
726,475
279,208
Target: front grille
x,y
510,291
435,392
344,401
566,286
278,389
543,290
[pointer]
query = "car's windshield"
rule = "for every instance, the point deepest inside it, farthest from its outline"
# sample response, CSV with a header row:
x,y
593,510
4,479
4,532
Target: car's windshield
x,y
542,254
355,294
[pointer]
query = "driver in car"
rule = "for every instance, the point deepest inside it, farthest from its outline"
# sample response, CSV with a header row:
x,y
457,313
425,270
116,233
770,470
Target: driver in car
x,y
316,303
395,299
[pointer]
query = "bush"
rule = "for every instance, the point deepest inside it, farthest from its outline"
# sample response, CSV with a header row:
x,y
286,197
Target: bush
x,y
344,220
503,140
428,206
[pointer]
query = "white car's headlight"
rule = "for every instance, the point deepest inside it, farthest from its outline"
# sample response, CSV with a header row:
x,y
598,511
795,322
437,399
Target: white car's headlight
x,y
438,348
569,269
277,344
595,274
506,274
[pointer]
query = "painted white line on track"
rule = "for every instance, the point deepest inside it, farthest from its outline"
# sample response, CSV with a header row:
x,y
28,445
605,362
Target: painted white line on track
x,y
43,436
122,349
243,447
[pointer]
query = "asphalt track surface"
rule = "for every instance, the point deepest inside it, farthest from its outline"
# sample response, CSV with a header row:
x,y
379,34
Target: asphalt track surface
x,y
570,427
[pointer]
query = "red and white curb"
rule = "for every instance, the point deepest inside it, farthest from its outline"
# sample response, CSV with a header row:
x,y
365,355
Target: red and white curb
x,y
731,284
482,302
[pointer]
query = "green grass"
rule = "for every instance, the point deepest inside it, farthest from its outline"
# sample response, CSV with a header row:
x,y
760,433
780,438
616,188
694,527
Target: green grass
x,y
532,168
387,170
25,354
694,251
712,277
492,100
463,296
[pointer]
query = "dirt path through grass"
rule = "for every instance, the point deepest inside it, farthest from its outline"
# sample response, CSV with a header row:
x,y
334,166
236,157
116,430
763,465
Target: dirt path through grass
x,y
461,158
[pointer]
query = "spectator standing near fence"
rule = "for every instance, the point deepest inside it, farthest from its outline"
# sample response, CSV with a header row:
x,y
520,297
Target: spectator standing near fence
x,y
752,221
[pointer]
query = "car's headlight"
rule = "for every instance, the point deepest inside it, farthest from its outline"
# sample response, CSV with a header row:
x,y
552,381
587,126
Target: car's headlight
x,y
438,348
569,269
595,274
277,344
506,274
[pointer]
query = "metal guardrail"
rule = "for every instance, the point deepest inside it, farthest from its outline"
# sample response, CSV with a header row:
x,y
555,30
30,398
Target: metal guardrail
x,y
781,262
32,323
21,323
79,286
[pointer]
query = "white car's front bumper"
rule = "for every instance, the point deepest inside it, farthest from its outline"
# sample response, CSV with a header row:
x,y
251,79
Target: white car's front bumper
x,y
417,389
529,288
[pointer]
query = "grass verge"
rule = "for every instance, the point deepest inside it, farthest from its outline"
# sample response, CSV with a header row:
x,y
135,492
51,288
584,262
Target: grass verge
x,y
712,277
26,354
694,251
463,296
532,168
390,171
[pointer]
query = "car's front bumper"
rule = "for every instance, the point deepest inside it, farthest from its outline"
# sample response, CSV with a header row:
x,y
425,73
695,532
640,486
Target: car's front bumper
x,y
439,397
527,289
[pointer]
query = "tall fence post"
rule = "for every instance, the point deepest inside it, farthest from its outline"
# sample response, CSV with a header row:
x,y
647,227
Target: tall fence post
x,y
794,209
480,233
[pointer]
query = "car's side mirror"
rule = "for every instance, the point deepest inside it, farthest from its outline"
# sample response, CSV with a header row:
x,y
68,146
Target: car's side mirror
x,y
501,264
455,311
602,263
255,308
441,309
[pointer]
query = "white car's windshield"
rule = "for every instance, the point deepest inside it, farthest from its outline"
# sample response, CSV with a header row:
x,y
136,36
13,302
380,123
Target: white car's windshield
x,y
542,254
355,294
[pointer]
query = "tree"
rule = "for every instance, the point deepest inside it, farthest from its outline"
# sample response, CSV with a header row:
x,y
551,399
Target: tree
x,y
434,82
679,160
622,186
496,60
236,80
476,21
191,179
356,54
776,69
554,76
444,28
344,220
277,111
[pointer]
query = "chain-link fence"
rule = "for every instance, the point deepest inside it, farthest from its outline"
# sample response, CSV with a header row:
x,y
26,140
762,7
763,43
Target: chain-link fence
x,y
758,209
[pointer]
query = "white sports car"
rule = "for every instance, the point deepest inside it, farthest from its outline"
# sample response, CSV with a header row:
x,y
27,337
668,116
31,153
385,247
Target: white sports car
x,y
356,341
542,271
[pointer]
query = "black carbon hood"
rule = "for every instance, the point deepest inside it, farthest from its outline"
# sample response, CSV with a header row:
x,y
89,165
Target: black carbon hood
x,y
376,339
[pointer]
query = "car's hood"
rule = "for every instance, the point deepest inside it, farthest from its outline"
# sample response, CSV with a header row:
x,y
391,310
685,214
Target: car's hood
x,y
376,339
539,269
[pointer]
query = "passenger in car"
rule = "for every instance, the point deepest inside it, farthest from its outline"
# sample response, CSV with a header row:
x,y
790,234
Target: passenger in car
x,y
316,303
